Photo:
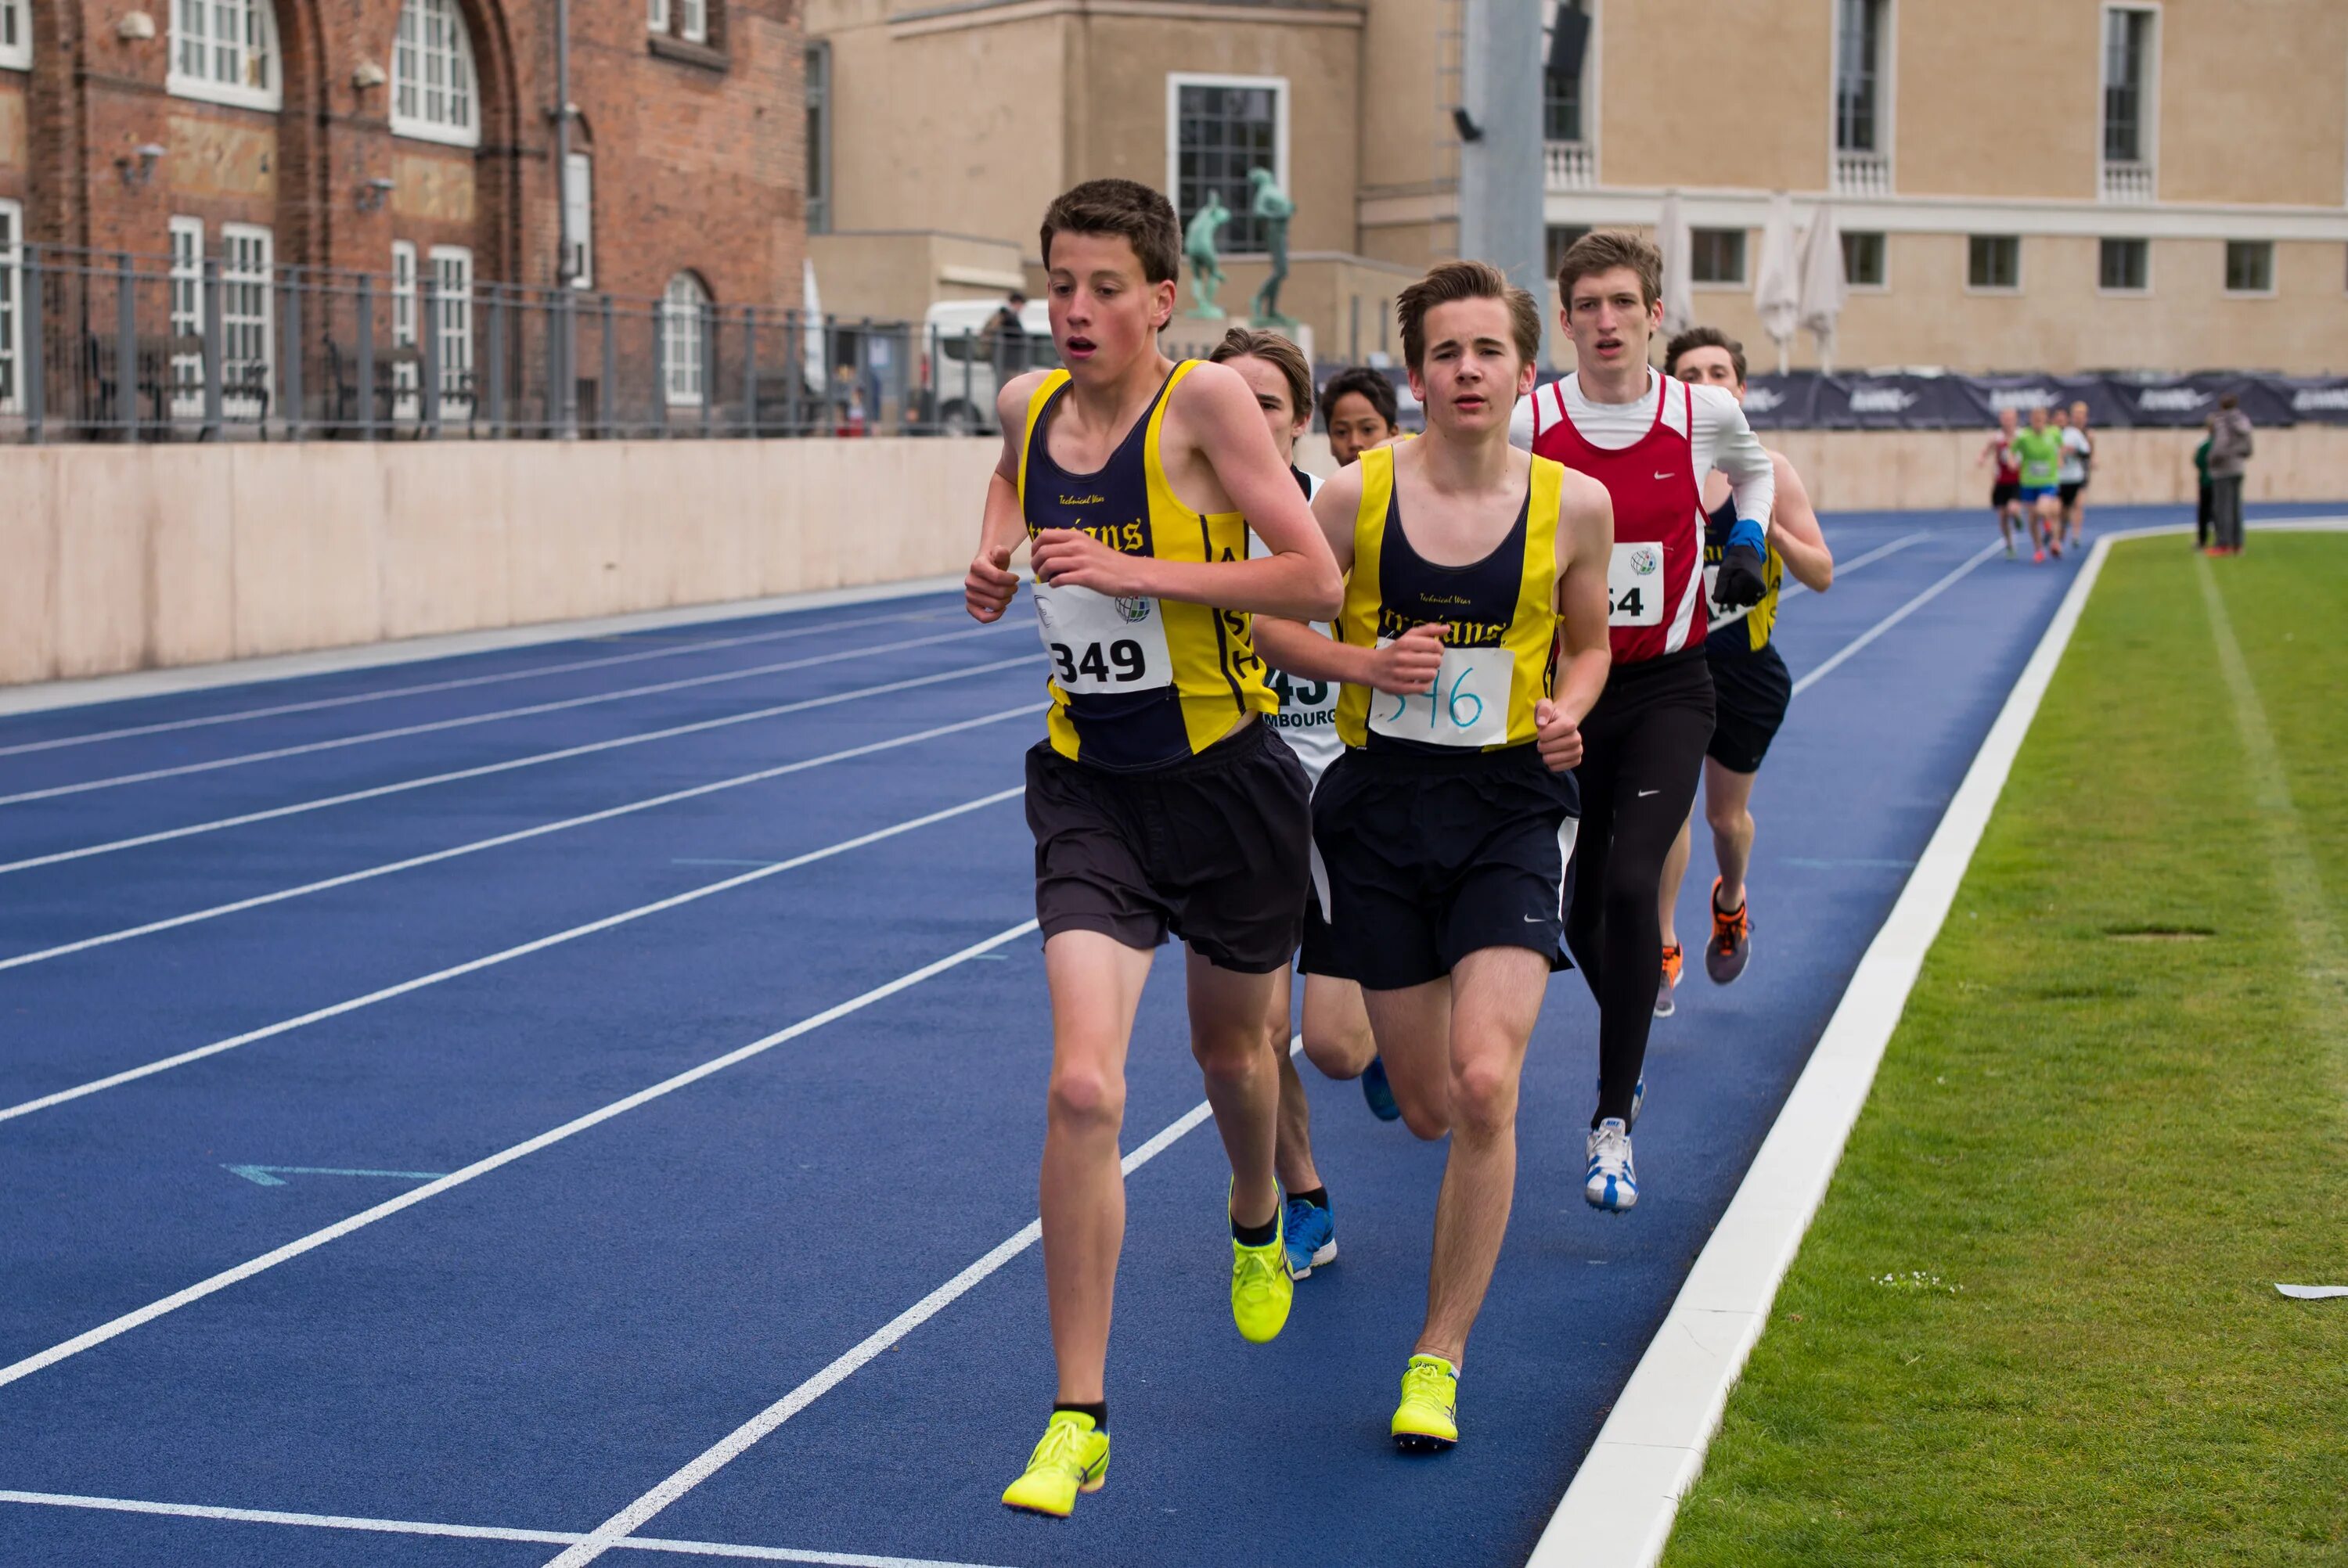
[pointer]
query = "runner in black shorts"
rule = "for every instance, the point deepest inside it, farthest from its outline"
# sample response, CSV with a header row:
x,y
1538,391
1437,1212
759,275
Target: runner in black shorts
x,y
1446,827
1750,685
2005,491
1159,804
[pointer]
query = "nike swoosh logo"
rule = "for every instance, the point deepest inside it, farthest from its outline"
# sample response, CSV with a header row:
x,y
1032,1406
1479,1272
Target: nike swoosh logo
x,y
1645,793
1671,475
1536,919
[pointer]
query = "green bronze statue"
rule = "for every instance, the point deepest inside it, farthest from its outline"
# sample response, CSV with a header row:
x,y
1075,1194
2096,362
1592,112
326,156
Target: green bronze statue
x,y
1198,249
1268,203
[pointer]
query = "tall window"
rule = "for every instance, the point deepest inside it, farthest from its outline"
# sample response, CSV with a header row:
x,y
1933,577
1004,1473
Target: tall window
x,y
1564,93
1557,239
15,34
11,218
1223,128
187,316
687,20
818,138
435,94
452,287
1858,76
2124,266
2249,266
1862,259
1994,261
2127,77
225,50
684,330
579,209
405,377
247,335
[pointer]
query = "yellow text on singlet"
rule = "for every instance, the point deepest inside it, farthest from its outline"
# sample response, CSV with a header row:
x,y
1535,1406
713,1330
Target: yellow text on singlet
x,y
1135,683
1499,656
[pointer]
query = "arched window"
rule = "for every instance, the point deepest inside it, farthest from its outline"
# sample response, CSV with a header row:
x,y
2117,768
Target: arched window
x,y
685,329
434,92
226,51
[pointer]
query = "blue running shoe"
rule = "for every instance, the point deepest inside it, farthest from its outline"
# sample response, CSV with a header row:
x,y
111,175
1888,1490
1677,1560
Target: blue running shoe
x,y
1612,1184
1311,1234
1638,1098
1379,1092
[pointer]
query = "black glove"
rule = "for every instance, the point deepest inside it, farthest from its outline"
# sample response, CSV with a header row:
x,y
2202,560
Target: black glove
x,y
1739,584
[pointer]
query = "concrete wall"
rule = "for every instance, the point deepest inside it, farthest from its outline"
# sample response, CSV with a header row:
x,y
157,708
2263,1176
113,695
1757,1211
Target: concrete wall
x,y
122,559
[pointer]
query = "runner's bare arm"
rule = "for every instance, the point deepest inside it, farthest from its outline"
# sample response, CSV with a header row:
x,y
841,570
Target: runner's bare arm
x,y
1585,543
1212,410
1796,532
988,587
1404,667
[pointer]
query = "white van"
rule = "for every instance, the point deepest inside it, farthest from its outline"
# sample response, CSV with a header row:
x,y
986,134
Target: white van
x,y
960,361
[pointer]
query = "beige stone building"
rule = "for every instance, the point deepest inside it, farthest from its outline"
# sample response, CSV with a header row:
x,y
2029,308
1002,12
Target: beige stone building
x,y
2021,184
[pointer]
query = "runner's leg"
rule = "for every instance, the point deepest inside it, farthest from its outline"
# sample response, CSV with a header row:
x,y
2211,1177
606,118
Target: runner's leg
x,y
1096,983
1413,1026
1227,1037
1727,799
1293,1160
1337,1038
1675,865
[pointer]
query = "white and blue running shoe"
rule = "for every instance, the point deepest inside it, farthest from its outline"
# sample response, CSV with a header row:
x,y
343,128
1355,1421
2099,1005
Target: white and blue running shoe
x,y
1612,1184
1379,1092
1311,1234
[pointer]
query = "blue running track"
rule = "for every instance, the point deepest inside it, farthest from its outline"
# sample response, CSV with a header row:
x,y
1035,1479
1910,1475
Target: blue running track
x,y
455,935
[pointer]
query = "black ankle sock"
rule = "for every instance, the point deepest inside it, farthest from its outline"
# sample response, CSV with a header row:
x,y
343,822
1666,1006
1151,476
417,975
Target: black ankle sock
x,y
1256,1236
1318,1198
1098,1410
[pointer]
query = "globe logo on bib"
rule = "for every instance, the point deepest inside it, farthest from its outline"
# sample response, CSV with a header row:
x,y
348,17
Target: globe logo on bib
x,y
1135,610
1644,561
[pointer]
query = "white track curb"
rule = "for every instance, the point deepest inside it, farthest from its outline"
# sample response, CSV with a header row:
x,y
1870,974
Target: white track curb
x,y
1619,1510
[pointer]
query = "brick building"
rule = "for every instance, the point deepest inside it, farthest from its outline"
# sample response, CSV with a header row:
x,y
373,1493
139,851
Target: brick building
x,y
412,138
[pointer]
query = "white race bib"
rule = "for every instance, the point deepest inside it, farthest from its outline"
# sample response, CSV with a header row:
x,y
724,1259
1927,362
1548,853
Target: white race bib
x,y
1468,705
1099,643
1635,586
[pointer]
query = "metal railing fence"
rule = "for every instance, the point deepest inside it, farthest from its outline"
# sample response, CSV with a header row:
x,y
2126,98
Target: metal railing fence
x,y
109,346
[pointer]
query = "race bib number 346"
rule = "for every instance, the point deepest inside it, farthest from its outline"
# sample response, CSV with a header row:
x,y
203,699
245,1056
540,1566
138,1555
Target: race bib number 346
x,y
1100,643
1467,706
1635,586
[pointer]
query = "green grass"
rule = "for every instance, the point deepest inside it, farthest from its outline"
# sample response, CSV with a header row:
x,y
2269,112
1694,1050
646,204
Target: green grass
x,y
2099,1149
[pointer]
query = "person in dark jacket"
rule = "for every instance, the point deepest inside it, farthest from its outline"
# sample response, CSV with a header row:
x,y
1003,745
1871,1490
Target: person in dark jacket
x,y
2201,499
2230,445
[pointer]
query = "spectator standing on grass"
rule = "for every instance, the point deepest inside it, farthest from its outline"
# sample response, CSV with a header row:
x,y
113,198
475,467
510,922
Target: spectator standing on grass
x,y
2201,499
2230,445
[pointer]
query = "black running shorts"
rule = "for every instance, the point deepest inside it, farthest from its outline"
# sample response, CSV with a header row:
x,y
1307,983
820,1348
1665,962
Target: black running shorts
x,y
2002,492
1317,954
1750,692
2068,493
1431,857
1211,849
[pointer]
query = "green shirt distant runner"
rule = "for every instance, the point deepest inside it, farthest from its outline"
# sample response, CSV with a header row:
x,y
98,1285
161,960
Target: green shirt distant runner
x,y
2041,454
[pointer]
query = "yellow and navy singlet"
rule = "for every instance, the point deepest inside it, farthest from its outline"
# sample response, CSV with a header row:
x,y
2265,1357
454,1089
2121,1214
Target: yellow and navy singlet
x,y
1135,683
1500,656
1750,633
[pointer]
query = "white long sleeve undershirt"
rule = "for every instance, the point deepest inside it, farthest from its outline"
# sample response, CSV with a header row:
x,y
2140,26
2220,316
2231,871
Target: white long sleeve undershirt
x,y
1720,439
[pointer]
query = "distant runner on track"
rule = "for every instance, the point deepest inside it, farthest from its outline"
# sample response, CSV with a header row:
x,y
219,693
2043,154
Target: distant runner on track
x,y
2005,491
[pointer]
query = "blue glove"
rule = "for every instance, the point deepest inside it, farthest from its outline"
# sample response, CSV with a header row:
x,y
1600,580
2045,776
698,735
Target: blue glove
x,y
1739,584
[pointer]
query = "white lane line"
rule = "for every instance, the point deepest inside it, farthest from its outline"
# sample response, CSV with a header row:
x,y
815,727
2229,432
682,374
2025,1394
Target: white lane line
x,y
242,715
504,955
1794,589
467,721
239,905
460,1531
377,792
1620,1507
619,1530
113,1327
1889,622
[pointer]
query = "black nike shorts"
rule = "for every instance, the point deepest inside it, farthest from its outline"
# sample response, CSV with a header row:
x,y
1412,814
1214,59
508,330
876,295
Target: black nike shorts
x,y
1750,693
1431,857
1212,850
2002,493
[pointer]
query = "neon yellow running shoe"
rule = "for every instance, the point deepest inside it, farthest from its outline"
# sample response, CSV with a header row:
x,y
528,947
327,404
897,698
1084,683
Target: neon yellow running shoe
x,y
1072,1458
1261,1289
1427,1420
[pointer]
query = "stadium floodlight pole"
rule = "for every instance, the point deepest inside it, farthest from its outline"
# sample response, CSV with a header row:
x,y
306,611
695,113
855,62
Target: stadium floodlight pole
x,y
1501,157
565,393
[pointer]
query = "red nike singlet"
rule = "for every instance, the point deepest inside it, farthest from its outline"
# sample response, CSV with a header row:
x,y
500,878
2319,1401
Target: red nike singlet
x,y
1654,584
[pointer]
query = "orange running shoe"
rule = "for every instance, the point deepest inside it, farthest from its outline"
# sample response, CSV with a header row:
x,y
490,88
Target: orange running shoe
x,y
1671,977
1731,946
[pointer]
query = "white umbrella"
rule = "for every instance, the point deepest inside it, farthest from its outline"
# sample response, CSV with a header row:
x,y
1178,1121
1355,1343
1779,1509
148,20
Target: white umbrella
x,y
1679,272
1823,288
1777,278
811,357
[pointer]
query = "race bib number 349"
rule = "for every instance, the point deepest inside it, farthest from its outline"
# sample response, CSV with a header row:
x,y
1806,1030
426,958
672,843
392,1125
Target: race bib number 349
x,y
1467,706
1635,586
1100,643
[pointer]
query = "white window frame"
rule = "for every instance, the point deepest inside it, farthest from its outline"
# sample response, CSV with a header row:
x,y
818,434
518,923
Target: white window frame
x,y
185,301
12,304
2149,121
1853,286
1999,291
675,392
2112,293
656,17
242,243
1282,93
262,15
1887,103
1573,165
579,195
451,271
2233,293
462,85
1743,278
693,21
404,374
15,34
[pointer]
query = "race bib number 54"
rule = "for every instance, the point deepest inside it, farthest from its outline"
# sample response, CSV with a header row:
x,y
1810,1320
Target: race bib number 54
x,y
1100,643
1635,586
1467,706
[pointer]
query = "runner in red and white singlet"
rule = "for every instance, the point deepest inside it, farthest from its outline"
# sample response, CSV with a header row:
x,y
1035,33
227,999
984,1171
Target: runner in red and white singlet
x,y
1650,441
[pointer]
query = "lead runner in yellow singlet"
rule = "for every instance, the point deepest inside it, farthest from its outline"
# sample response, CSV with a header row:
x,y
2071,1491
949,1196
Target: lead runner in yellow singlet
x,y
1159,804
